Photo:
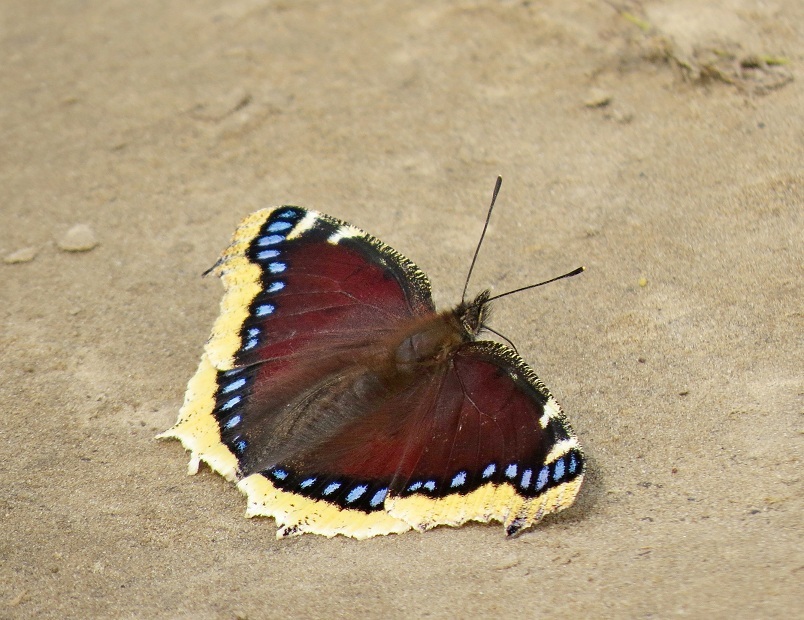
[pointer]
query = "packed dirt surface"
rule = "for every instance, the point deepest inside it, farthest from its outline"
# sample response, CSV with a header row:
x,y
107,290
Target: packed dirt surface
x,y
660,144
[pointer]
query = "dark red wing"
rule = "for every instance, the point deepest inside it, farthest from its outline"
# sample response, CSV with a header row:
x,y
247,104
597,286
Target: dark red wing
x,y
324,282
482,421
306,295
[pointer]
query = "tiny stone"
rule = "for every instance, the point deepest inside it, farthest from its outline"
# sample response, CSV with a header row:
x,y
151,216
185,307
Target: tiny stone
x,y
23,255
80,238
597,98
620,116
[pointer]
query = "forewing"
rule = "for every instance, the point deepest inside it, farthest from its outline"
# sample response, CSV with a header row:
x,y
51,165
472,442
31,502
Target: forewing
x,y
295,277
305,295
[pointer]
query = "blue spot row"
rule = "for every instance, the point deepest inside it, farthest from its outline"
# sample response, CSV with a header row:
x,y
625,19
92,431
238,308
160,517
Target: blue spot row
x,y
529,480
361,495
266,250
233,390
559,471
355,496
430,485
276,229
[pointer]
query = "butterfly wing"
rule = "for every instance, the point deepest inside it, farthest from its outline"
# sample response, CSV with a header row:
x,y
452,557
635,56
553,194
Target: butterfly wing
x,y
303,293
480,438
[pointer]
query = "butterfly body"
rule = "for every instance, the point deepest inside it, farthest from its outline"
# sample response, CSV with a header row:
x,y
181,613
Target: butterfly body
x,y
343,403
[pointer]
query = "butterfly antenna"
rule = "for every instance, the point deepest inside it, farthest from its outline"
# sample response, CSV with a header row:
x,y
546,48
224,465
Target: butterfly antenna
x,y
482,235
210,270
574,272
496,333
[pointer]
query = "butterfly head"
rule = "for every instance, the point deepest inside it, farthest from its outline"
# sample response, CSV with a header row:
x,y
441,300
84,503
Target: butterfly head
x,y
474,314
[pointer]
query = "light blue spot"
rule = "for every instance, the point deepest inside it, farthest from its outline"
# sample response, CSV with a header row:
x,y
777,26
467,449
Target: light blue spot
x,y
279,474
266,254
355,493
230,403
332,487
379,498
558,474
250,344
252,334
541,481
240,445
270,240
489,471
276,286
510,471
264,309
458,480
415,486
278,226
430,485
234,385
307,483
277,267
234,421
573,464
233,372
526,478
288,213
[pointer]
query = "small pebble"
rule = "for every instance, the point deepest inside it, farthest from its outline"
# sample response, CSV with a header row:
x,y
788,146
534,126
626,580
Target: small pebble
x,y
80,238
23,255
597,98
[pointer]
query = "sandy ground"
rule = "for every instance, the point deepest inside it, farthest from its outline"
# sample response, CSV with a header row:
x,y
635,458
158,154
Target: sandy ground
x,y
655,145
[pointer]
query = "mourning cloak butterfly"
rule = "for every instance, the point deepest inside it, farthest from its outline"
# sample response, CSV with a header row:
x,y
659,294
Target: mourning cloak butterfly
x,y
342,403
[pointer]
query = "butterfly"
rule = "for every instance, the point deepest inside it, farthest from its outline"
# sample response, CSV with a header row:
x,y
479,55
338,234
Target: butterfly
x,y
342,402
